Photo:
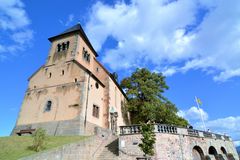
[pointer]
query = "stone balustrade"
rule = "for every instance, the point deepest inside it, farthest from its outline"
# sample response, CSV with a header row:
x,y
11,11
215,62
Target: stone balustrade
x,y
170,129
192,132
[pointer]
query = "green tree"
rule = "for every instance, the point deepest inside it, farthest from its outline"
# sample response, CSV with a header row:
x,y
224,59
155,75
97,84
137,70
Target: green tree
x,y
148,139
39,140
115,75
146,102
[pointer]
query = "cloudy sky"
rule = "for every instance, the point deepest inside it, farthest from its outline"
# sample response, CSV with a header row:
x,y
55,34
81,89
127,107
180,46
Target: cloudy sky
x,y
195,43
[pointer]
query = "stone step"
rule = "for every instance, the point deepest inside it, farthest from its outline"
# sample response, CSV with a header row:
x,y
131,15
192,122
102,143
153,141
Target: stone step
x,y
110,151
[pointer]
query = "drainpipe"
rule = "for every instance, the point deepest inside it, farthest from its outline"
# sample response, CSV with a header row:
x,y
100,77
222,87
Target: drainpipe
x,y
88,88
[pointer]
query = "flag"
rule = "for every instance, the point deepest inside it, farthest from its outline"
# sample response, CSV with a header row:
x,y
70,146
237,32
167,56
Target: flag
x,y
199,101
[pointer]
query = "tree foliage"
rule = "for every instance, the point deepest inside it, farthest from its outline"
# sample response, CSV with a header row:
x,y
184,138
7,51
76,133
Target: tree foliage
x,y
146,102
115,75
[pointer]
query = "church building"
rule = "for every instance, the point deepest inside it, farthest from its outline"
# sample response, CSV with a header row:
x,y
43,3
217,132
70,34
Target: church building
x,y
72,93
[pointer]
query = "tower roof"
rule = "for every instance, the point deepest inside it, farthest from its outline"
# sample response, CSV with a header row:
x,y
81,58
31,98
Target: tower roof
x,y
75,29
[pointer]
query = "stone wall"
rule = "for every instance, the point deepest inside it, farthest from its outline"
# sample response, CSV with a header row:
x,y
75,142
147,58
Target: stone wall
x,y
174,143
66,127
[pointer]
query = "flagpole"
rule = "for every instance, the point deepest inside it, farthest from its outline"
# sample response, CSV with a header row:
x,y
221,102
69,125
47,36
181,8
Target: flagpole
x,y
200,114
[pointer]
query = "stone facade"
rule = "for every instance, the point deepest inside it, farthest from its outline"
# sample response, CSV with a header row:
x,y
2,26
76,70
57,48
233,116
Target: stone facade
x,y
71,89
66,127
174,143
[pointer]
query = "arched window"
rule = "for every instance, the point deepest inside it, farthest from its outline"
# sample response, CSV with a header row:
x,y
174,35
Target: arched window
x,y
48,106
96,85
86,55
62,72
63,46
212,151
223,150
197,153
59,47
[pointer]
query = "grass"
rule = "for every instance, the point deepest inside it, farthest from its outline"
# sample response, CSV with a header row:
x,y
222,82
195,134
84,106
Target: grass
x,y
15,147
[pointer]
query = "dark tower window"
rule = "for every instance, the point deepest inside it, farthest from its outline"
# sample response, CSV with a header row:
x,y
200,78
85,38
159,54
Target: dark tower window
x,y
62,72
59,47
75,80
86,55
50,75
63,46
48,106
68,44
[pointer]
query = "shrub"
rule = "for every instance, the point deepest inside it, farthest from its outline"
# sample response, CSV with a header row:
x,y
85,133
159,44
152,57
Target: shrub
x,y
230,156
207,158
39,140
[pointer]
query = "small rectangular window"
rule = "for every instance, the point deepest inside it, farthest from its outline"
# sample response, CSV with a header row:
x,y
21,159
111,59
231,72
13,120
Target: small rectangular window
x,y
95,112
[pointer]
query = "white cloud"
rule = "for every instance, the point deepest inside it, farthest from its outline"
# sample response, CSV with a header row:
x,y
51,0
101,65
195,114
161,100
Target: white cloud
x,y
168,71
13,15
14,27
157,32
193,113
228,125
68,21
237,143
23,36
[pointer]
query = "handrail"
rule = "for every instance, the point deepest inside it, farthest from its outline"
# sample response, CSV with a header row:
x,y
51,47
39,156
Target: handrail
x,y
171,129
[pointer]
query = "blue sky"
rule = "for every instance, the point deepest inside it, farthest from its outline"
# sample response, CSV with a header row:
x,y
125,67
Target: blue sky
x,y
195,44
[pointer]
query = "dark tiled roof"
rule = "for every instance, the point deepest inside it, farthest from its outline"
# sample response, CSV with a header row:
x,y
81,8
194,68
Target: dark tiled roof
x,y
75,29
72,29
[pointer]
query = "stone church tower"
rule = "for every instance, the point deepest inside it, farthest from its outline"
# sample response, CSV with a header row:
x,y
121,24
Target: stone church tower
x,y
72,93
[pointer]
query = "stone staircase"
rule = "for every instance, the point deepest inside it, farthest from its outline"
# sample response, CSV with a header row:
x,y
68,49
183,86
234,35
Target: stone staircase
x,y
98,147
109,150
